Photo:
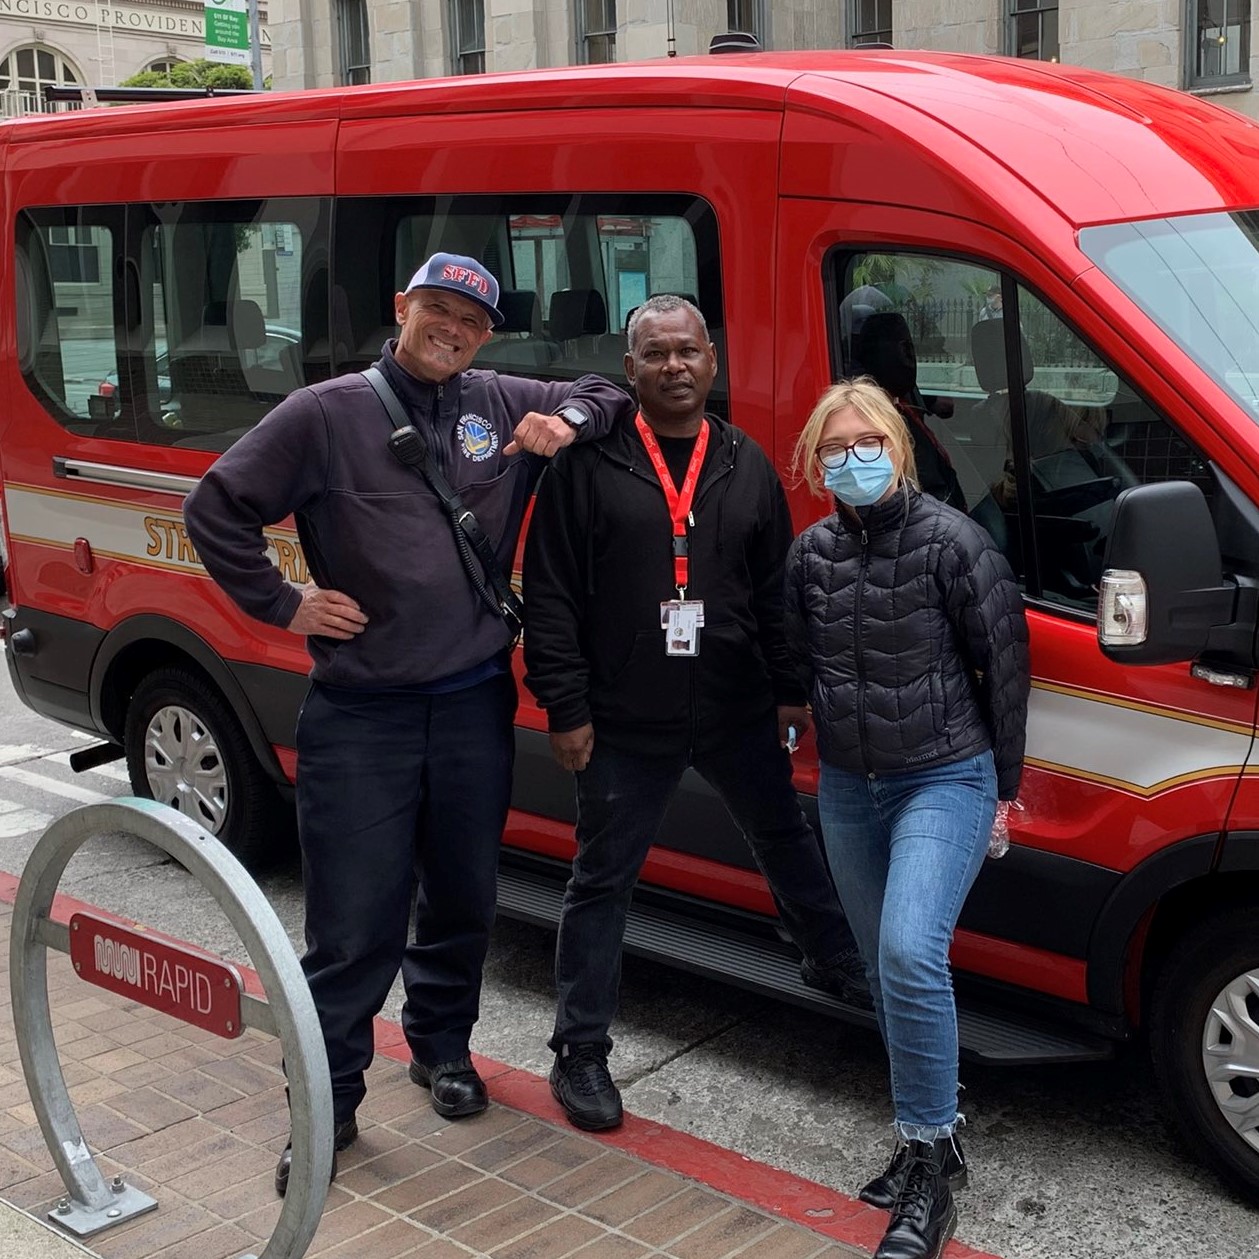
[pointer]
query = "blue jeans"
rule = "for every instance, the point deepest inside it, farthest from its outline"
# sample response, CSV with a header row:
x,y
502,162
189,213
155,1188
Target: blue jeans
x,y
904,850
621,801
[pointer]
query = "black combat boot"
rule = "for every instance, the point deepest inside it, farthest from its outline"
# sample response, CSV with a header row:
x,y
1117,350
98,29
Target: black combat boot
x,y
882,1191
923,1217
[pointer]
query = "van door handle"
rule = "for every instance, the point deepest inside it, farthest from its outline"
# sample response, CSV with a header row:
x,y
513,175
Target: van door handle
x,y
1241,679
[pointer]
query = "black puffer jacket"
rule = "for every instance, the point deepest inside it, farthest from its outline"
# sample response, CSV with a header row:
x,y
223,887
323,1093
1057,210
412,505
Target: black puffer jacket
x,y
910,627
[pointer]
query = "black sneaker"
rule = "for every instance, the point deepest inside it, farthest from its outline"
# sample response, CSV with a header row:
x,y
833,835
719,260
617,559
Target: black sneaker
x,y
843,977
582,1084
343,1136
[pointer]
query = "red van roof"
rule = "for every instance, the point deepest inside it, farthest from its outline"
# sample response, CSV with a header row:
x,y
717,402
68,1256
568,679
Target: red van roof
x,y
1098,146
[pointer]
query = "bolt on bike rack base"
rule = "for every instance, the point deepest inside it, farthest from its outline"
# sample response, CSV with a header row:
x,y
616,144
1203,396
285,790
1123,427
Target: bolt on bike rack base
x,y
85,1221
184,982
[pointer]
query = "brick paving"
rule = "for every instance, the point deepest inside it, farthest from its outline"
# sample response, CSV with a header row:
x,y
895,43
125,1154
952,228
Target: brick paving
x,y
198,1122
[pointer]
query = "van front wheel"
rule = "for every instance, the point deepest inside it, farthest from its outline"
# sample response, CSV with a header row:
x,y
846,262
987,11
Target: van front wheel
x,y
185,748
1204,1042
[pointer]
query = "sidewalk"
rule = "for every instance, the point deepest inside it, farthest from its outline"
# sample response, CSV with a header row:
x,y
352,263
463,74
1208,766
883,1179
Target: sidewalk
x,y
24,1236
198,1122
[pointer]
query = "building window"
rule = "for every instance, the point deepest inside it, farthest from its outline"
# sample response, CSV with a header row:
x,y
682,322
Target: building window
x,y
467,36
24,74
164,66
1034,30
356,60
1218,42
870,22
596,31
747,16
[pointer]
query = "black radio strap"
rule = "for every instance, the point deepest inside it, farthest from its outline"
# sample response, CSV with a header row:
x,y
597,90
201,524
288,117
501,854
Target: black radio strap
x,y
409,447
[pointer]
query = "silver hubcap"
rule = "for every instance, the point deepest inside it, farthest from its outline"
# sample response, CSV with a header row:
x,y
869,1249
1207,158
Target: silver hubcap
x,y
184,768
1230,1055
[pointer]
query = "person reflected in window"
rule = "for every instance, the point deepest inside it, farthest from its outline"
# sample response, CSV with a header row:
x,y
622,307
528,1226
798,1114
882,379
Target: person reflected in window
x,y
992,307
883,349
910,635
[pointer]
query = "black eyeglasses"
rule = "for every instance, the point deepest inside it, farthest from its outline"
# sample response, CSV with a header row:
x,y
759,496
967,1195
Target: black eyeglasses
x,y
864,450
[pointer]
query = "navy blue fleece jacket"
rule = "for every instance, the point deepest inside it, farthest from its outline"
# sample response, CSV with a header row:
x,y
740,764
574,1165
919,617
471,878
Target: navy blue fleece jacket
x,y
369,526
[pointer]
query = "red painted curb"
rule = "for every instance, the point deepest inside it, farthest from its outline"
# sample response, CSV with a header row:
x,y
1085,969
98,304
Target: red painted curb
x,y
791,1198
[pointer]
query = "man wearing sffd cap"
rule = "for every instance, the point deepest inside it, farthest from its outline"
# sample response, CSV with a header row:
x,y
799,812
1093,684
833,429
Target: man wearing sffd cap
x,y
405,739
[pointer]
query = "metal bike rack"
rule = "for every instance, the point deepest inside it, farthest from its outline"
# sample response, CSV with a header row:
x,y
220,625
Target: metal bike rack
x,y
289,1013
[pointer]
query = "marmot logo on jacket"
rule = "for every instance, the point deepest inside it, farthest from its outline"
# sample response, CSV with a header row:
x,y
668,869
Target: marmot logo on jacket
x,y
477,439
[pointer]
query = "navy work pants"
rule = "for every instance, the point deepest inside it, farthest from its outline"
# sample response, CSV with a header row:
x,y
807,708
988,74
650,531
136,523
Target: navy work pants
x,y
398,790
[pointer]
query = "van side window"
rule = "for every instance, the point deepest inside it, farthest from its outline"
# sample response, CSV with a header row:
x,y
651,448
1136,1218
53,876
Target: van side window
x,y
67,308
571,270
176,323
1049,423
232,309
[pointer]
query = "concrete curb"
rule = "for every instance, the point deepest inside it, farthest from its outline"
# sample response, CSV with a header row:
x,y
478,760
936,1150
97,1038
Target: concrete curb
x,y
24,1235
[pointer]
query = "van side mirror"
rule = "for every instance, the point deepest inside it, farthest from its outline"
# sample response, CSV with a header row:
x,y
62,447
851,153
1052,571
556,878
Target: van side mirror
x,y
1163,589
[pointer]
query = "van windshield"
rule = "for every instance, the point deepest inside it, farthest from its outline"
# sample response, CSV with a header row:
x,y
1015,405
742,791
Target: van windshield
x,y
1197,277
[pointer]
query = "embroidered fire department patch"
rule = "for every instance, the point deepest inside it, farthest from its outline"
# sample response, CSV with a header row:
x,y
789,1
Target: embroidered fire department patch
x,y
477,439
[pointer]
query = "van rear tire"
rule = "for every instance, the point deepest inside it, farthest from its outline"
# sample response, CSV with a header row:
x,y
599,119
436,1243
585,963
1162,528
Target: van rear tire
x,y
186,748
1204,1043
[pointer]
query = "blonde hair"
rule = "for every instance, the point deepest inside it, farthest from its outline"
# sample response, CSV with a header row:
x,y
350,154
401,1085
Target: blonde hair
x,y
871,401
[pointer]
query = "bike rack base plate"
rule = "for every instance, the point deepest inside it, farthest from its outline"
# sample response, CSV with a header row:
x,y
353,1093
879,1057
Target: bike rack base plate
x,y
84,1221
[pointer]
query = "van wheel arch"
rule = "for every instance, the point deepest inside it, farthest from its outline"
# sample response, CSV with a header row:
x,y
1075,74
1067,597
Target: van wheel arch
x,y
142,644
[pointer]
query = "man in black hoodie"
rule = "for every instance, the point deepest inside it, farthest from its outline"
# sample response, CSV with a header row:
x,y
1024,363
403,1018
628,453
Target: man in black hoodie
x,y
654,640
405,741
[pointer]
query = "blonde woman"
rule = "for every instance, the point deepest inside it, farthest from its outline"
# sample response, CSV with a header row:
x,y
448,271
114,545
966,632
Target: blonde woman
x,y
907,620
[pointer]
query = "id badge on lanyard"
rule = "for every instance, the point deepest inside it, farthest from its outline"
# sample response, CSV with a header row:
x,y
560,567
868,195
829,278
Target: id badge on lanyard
x,y
681,619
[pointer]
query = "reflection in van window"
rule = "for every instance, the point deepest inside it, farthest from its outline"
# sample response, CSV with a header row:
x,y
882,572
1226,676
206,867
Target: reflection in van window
x,y
1197,278
66,300
226,295
933,331
175,324
571,269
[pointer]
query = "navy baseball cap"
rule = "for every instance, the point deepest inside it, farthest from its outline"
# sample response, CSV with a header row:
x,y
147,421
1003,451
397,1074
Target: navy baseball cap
x,y
465,276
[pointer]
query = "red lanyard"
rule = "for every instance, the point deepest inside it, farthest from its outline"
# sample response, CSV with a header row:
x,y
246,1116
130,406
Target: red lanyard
x,y
679,502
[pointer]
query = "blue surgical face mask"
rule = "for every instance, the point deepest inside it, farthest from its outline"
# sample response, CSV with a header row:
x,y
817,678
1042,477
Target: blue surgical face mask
x,y
860,484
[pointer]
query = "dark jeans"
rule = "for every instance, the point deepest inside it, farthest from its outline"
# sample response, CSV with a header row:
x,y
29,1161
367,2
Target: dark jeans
x,y
396,788
621,801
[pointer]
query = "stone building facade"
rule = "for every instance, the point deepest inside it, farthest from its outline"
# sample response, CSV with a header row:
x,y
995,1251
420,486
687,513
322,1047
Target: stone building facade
x,y
1201,45
95,44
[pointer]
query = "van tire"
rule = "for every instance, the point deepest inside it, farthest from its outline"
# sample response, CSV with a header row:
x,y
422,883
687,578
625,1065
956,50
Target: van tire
x,y
1217,959
220,786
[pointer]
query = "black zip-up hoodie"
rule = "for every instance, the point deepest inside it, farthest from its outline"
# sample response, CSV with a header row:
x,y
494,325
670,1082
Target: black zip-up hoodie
x,y
598,564
371,527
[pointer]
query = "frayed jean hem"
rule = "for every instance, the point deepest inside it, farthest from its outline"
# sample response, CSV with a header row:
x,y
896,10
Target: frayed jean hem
x,y
927,1132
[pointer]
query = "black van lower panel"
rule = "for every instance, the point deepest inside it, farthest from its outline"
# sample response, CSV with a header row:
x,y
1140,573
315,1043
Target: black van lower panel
x,y
52,677
745,950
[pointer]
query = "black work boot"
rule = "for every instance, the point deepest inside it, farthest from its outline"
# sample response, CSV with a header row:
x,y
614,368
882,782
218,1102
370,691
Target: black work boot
x,y
343,1136
582,1084
844,977
923,1216
883,1190
458,1091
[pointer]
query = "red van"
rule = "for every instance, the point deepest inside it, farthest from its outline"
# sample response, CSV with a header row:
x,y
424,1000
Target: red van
x,y
1075,257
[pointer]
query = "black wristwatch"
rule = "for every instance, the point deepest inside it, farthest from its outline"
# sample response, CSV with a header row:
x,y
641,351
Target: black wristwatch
x,y
574,417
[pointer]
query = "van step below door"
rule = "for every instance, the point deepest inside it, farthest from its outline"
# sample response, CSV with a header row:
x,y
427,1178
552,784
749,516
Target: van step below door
x,y
771,969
